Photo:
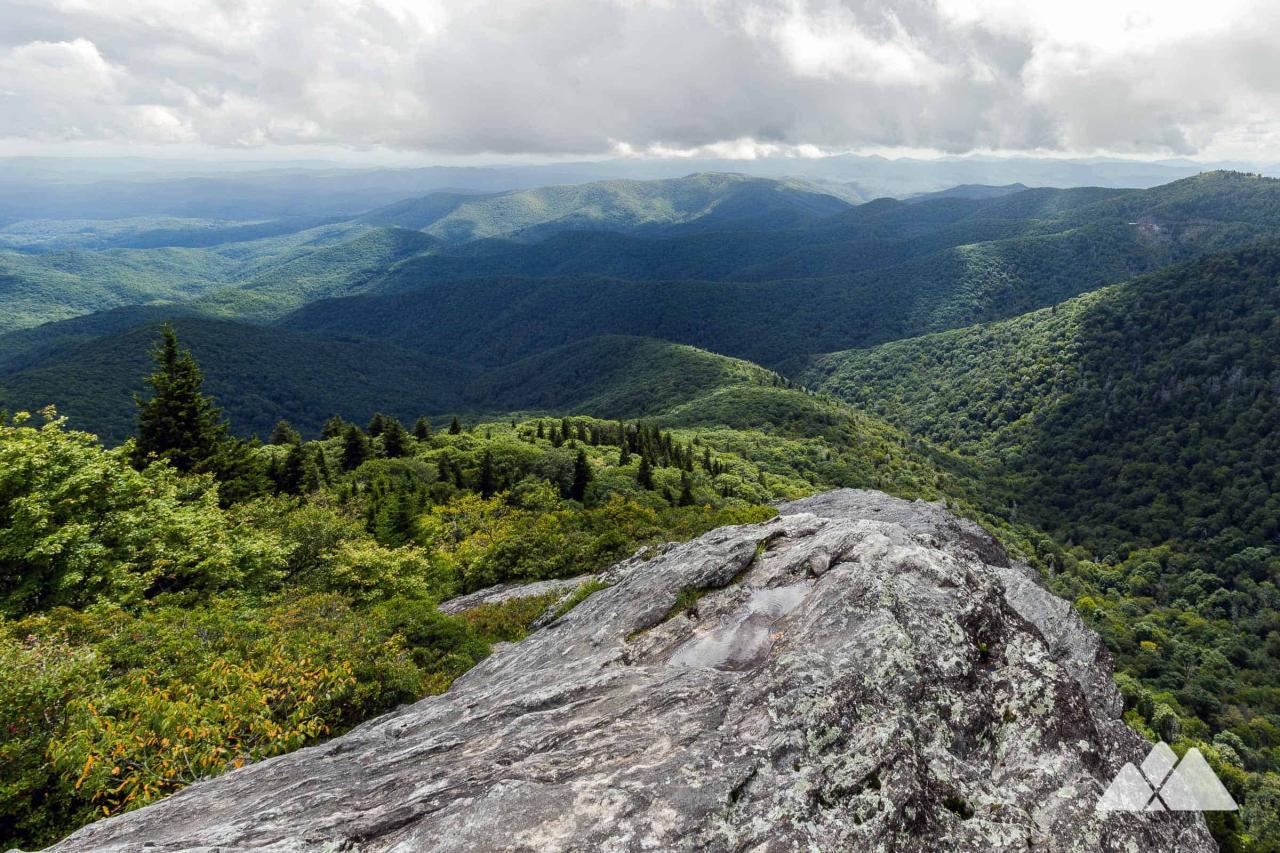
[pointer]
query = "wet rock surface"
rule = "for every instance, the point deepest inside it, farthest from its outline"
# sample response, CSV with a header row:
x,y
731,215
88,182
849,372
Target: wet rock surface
x,y
861,673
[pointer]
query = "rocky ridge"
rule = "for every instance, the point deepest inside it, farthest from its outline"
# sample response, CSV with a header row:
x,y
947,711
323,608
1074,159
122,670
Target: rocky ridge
x,y
860,673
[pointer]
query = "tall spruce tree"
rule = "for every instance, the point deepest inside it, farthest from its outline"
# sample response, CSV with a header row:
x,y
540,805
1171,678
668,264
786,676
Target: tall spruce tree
x,y
179,423
293,473
284,434
645,475
488,483
334,427
355,448
455,426
686,491
422,429
395,441
581,477
182,426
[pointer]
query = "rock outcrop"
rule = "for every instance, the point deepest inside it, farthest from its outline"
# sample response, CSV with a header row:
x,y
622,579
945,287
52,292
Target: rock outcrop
x,y
860,673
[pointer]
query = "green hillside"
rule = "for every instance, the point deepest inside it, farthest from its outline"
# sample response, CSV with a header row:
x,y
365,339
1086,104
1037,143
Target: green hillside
x,y
258,375
1140,427
711,200
36,288
261,375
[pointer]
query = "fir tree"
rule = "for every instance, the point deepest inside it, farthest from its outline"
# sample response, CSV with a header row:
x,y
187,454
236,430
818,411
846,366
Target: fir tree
x,y
179,423
624,456
686,491
182,426
334,427
377,425
645,475
487,482
284,434
294,471
395,441
422,429
455,426
581,477
355,448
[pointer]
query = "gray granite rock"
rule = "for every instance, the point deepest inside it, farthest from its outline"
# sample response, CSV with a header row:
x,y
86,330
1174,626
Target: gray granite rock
x,y
861,673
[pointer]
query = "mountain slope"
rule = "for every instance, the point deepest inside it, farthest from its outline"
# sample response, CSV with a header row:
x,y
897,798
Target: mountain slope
x,y
1140,425
1092,395
710,200
258,375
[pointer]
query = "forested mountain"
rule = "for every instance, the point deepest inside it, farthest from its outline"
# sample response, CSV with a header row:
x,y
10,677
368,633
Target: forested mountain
x,y
262,375
704,201
1140,426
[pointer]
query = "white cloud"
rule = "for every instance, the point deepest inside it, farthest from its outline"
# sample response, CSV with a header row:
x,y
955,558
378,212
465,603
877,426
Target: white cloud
x,y
739,77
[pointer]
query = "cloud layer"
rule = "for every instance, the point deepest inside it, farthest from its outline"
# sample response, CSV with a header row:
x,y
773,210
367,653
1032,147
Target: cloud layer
x,y
646,76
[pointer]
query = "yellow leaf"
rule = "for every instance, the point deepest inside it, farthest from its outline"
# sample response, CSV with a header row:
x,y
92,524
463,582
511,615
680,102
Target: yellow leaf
x,y
88,765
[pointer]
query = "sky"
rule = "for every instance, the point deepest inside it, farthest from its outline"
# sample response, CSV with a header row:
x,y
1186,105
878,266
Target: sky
x,y
546,79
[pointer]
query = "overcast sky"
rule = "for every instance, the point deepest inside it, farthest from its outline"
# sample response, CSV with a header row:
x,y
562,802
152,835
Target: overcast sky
x,y
580,78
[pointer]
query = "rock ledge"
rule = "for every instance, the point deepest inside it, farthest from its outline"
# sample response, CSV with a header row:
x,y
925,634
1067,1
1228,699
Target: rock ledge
x,y
860,673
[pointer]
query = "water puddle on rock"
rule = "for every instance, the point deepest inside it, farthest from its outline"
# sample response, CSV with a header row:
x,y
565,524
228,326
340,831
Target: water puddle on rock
x,y
743,638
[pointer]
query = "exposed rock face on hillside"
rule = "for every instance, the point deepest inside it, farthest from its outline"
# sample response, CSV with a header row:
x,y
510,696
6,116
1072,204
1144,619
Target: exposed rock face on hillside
x,y
861,673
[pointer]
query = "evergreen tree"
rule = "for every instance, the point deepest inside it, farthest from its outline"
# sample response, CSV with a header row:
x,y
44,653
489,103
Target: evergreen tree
x,y
284,434
542,433
313,480
294,471
487,482
334,427
455,426
183,426
395,441
355,448
686,491
377,424
178,423
645,475
624,456
322,467
581,477
422,429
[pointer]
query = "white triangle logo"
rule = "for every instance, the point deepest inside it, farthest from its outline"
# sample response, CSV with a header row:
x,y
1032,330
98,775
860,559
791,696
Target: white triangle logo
x,y
1166,784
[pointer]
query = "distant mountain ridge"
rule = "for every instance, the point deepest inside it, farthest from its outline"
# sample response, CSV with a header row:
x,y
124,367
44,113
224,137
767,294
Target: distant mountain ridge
x,y
706,200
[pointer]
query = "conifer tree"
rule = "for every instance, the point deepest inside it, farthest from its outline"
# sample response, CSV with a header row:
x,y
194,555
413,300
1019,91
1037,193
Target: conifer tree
x,y
284,434
581,477
179,423
183,426
355,448
624,456
422,429
395,441
542,433
334,427
293,473
686,491
455,426
322,467
487,482
377,425
645,475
